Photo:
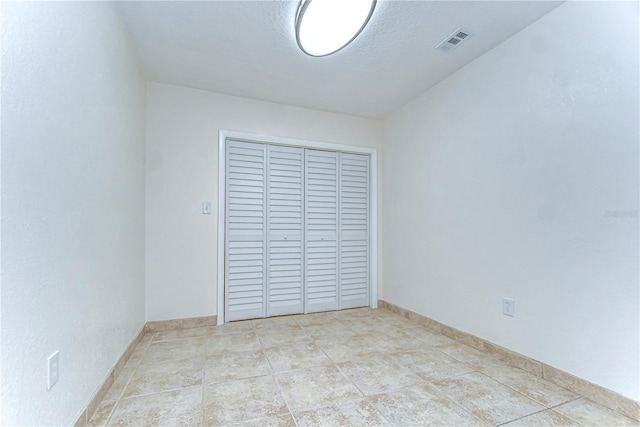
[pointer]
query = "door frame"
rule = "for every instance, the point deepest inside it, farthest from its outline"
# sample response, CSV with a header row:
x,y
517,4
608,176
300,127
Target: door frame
x,y
302,143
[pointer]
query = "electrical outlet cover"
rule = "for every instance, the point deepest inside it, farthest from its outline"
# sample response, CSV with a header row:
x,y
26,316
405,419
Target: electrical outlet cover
x,y
507,307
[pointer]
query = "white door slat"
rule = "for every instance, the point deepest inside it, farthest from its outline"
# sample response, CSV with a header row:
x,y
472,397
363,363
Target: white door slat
x,y
245,269
354,230
285,219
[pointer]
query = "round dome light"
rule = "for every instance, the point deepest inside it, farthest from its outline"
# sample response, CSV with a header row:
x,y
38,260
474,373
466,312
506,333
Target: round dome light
x,y
326,26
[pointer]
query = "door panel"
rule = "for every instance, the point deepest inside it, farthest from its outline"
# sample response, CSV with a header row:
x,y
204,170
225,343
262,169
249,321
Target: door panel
x,y
245,269
321,225
285,201
354,230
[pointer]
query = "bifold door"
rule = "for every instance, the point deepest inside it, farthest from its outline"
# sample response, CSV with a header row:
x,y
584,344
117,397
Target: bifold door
x,y
285,207
354,230
297,230
245,257
321,231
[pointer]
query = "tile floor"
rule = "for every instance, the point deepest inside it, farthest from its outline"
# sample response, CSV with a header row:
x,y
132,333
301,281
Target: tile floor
x,y
355,367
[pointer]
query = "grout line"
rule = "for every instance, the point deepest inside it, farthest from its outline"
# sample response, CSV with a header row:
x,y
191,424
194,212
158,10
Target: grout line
x,y
119,397
578,397
535,413
366,397
567,416
338,339
154,340
452,400
275,379
592,391
529,397
153,393
516,391
459,405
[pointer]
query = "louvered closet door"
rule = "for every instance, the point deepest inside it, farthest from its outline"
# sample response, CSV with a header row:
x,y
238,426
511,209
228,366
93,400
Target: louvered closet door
x,y
285,177
354,230
245,266
321,231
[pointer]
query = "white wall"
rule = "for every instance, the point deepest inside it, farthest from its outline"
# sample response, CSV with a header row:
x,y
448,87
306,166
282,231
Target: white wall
x,y
73,204
182,171
497,183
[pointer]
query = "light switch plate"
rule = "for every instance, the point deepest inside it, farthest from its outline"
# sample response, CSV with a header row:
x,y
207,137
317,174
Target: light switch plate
x,y
206,208
53,369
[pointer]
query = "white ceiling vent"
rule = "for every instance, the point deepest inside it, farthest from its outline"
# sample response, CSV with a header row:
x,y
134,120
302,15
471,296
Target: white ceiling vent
x,y
455,39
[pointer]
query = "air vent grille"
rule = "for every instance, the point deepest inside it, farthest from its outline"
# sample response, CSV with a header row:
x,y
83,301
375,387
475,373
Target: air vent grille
x,y
454,40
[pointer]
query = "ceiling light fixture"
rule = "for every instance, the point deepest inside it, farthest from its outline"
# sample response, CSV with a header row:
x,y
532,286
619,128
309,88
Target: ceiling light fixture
x,y
324,27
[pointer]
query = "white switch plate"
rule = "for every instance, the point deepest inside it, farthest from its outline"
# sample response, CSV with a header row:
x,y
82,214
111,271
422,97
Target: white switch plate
x,y
507,307
53,370
206,208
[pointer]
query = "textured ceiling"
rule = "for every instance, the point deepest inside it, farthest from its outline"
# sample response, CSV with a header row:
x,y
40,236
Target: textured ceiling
x,y
248,49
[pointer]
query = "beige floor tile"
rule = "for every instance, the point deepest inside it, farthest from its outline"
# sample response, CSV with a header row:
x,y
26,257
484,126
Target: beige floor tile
x,y
282,421
120,383
353,313
139,353
276,337
243,326
341,350
235,402
328,330
381,313
378,373
396,321
422,405
429,337
536,388
176,350
366,325
174,408
355,413
164,325
102,414
547,418
393,340
315,388
220,344
314,319
486,398
233,366
297,356
431,364
179,334
236,366
589,414
470,356
283,322
157,377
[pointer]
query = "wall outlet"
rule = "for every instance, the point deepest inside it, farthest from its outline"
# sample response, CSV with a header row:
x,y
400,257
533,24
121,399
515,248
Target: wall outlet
x,y
53,370
507,307
206,208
